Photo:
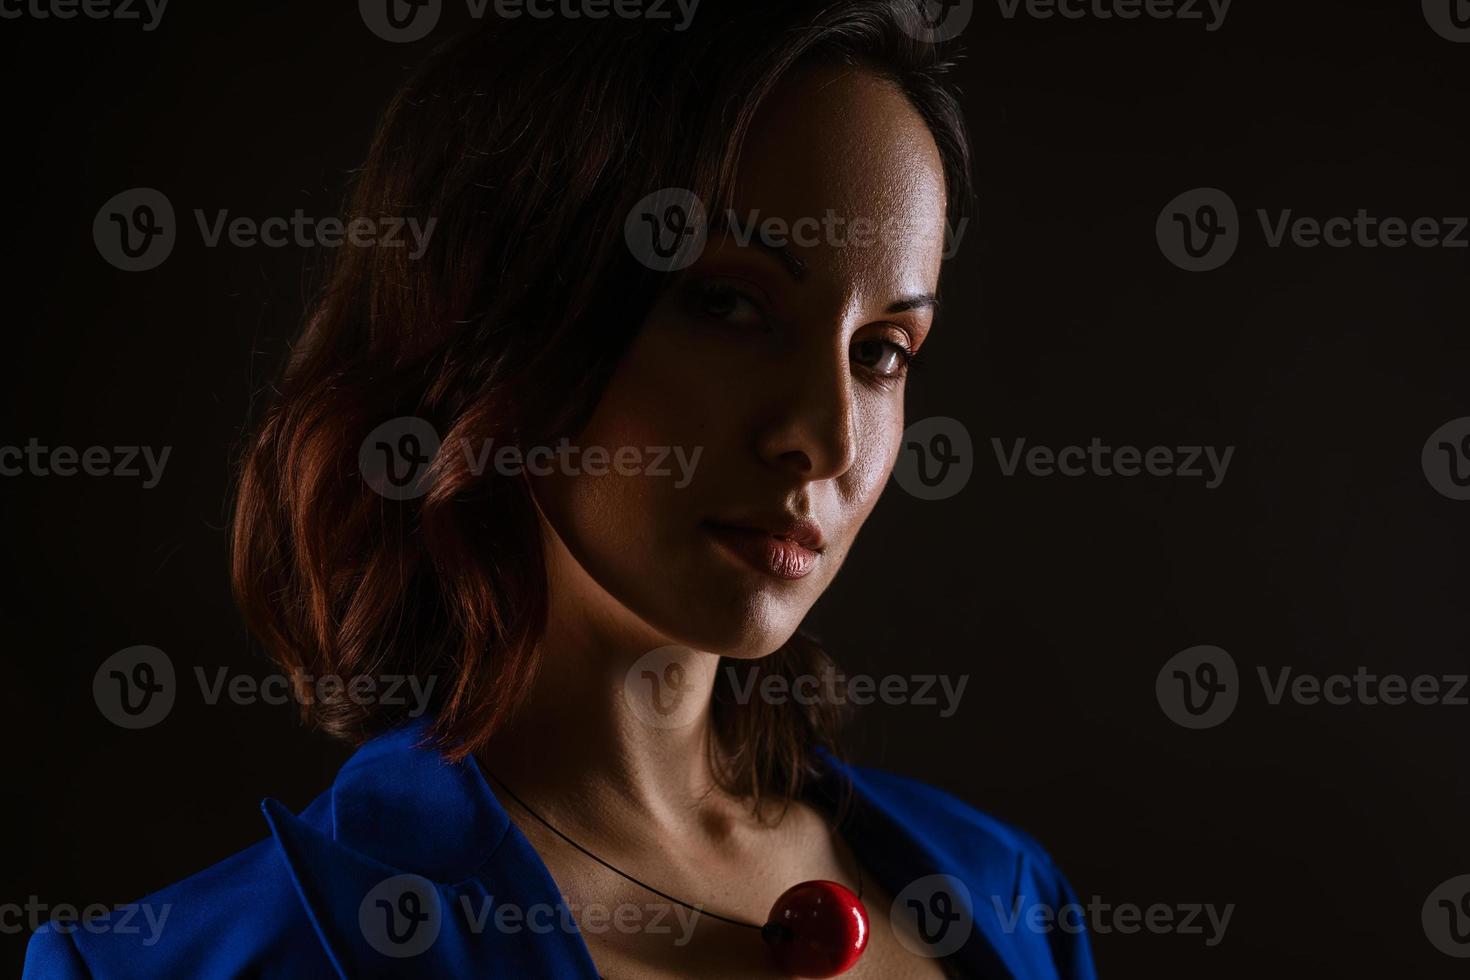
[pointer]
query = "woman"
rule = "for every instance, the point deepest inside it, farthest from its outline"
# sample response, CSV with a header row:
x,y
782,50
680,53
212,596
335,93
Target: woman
x,y
465,477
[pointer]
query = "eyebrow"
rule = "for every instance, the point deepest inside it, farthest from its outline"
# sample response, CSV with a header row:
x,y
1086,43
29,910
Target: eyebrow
x,y
918,301
794,265
797,268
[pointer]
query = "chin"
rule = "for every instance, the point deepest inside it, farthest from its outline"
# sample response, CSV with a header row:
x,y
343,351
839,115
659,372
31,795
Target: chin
x,y
671,596
743,627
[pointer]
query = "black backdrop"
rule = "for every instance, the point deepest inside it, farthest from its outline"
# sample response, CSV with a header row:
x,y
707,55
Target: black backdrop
x,y
1325,548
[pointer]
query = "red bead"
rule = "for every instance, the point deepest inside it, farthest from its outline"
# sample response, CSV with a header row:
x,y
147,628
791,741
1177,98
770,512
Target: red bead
x,y
816,929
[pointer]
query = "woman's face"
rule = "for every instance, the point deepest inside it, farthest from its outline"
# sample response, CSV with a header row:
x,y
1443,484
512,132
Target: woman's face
x,y
781,368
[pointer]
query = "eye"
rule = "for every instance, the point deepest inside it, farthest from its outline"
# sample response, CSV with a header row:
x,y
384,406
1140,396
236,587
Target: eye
x,y
888,358
718,299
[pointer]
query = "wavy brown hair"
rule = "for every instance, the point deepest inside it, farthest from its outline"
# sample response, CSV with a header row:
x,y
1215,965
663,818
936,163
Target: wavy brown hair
x,y
527,142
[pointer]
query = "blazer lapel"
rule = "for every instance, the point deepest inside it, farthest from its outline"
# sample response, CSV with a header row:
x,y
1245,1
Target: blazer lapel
x,y
410,866
889,834
415,869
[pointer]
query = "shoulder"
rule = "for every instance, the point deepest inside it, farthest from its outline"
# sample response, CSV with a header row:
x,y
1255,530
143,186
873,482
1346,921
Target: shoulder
x,y
951,827
288,906
239,917
1012,892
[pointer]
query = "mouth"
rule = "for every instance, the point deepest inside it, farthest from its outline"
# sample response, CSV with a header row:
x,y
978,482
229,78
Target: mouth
x,y
785,549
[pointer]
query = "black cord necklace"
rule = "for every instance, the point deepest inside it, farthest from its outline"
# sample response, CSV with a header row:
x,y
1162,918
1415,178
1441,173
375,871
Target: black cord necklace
x,y
816,928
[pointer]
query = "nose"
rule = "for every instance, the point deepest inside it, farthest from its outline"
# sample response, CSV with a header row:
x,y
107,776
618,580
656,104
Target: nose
x,y
810,429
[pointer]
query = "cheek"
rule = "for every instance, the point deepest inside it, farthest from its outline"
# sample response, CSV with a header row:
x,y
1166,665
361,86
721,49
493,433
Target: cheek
x,y
662,394
661,407
878,429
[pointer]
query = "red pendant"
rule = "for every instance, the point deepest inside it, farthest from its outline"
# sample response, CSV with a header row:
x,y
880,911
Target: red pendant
x,y
816,929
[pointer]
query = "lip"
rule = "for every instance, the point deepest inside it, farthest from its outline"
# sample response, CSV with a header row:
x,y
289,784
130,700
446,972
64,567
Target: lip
x,y
786,547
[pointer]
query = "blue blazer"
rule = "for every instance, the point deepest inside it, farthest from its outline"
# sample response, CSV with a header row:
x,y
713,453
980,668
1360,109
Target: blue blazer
x,y
310,900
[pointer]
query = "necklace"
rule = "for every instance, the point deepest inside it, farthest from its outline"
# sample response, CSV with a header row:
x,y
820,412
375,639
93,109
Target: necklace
x,y
815,929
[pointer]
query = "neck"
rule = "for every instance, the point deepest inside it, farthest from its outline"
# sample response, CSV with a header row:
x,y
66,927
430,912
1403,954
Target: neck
x,y
609,736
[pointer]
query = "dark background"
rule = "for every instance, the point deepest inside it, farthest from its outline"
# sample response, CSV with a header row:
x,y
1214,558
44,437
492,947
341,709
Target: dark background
x,y
1325,548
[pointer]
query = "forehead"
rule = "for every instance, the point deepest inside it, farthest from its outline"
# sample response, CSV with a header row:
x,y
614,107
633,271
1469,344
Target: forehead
x,y
841,158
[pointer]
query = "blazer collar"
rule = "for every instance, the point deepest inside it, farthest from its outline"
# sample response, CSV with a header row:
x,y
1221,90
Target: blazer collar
x,y
405,863
398,819
398,781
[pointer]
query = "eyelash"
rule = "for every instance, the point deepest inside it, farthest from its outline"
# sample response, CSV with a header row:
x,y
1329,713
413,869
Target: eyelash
x,y
699,293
